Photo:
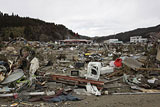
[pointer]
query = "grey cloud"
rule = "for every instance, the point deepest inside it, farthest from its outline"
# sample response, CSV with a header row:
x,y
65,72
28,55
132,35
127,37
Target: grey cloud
x,y
90,17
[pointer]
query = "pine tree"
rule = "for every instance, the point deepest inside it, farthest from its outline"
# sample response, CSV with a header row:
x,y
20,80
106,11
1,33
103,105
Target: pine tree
x,y
28,33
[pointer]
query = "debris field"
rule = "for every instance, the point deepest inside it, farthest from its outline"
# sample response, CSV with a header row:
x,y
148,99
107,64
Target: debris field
x,y
36,74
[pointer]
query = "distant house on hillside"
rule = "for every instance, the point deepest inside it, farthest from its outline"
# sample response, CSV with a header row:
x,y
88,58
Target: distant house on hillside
x,y
137,39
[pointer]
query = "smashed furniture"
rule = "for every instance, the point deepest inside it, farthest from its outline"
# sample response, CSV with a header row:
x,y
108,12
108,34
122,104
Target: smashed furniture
x,y
79,65
74,73
33,68
76,81
28,93
17,74
132,63
106,70
93,71
92,89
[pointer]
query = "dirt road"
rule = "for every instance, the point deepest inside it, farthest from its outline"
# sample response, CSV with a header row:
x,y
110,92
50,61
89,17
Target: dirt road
x,y
102,101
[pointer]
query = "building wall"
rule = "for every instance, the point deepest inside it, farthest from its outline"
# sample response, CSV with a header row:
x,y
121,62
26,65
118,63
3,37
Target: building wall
x,y
112,41
137,39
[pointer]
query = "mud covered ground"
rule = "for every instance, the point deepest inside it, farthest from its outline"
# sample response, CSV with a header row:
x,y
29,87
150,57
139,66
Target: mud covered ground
x,y
150,100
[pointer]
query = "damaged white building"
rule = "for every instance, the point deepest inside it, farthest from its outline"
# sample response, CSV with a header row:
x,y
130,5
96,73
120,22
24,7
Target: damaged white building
x,y
137,39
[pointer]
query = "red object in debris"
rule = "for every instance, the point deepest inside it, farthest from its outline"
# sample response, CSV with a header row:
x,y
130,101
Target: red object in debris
x,y
15,96
118,62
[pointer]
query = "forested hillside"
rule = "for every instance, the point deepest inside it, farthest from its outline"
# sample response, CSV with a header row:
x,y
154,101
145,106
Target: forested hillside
x,y
12,26
125,36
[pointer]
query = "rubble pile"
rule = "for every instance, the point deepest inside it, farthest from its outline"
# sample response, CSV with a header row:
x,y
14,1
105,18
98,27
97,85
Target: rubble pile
x,y
32,71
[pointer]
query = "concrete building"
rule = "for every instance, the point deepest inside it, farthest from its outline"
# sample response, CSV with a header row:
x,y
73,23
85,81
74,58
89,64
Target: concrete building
x,y
113,41
75,41
137,39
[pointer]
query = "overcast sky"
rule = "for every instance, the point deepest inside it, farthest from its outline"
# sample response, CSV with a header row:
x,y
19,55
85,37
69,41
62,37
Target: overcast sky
x,y
89,17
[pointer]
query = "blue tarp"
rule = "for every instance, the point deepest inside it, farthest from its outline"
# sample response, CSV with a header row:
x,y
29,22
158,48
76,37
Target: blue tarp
x,y
64,98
